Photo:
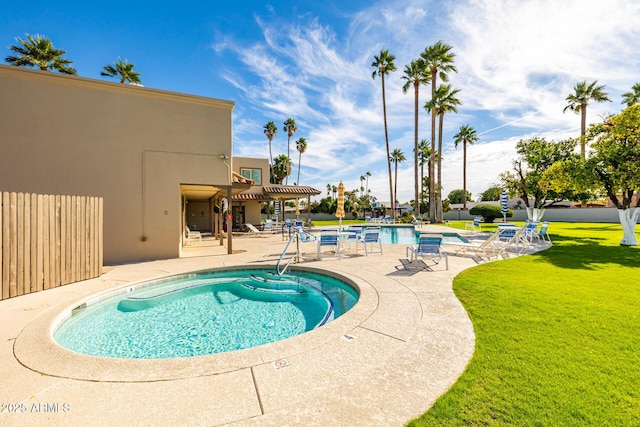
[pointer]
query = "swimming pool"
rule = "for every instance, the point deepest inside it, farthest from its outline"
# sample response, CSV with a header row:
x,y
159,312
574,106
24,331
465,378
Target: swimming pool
x,y
203,313
408,235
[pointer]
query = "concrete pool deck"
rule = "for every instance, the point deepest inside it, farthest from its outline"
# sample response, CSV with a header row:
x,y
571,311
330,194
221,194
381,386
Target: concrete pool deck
x,y
383,363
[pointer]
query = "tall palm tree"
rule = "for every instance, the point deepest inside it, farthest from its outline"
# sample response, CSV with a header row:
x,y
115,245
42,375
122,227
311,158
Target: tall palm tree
x,y
632,97
362,178
38,52
281,168
328,190
582,94
366,186
416,75
301,146
397,156
424,157
466,135
270,130
384,65
123,70
444,102
290,128
438,60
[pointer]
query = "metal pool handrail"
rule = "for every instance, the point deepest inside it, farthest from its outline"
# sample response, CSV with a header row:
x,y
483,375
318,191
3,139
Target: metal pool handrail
x,y
300,234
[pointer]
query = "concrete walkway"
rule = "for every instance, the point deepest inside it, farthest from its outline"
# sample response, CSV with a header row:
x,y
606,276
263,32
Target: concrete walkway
x,y
384,362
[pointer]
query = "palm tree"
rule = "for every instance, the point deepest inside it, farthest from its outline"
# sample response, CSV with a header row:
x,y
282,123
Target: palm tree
x,y
39,52
301,146
366,186
466,135
124,70
415,74
632,97
328,190
438,60
281,168
384,65
362,178
582,94
397,156
290,128
424,156
444,102
270,130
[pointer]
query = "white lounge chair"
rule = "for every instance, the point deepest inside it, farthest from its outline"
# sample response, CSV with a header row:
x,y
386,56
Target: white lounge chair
x,y
484,249
191,236
474,225
253,231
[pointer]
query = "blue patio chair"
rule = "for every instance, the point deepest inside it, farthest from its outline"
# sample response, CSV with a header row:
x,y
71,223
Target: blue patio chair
x,y
542,234
429,247
370,237
530,230
474,225
331,239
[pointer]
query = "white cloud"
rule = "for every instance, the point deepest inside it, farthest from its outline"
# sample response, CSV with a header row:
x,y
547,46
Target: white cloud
x,y
517,61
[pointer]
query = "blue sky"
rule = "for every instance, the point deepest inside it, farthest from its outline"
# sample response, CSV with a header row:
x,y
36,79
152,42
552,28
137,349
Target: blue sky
x,y
311,60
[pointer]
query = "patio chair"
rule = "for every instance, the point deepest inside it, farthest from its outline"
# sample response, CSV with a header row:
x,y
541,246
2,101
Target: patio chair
x,y
191,236
429,247
474,225
331,239
518,242
542,234
268,226
253,231
530,230
485,249
370,236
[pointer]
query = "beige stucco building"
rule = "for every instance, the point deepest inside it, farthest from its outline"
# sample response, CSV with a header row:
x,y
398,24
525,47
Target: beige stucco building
x,y
159,159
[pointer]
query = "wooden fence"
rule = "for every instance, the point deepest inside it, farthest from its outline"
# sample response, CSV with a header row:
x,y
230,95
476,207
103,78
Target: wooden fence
x,y
48,241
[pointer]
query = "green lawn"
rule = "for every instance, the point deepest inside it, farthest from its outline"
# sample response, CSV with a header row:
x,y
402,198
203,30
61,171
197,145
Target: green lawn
x,y
557,336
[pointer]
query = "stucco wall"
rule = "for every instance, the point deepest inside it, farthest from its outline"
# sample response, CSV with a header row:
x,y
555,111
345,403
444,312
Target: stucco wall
x,y
252,209
133,146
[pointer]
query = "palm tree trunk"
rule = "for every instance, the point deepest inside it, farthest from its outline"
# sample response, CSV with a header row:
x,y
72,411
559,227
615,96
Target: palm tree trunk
x,y
464,175
395,191
416,203
439,189
432,205
422,182
583,124
289,156
299,161
386,137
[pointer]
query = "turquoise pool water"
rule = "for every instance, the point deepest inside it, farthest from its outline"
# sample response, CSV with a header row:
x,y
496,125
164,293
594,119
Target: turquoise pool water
x,y
205,313
408,235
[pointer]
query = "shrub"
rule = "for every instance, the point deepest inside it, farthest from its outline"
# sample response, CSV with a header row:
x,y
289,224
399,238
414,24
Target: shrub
x,y
488,212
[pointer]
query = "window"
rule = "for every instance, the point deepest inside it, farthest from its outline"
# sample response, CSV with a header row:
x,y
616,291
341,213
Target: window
x,y
254,174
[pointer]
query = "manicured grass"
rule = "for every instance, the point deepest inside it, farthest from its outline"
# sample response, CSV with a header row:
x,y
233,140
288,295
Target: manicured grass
x,y
557,336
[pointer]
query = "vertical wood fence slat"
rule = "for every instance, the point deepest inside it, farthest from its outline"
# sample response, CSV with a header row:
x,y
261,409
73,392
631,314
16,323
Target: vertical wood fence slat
x,y
33,253
13,245
46,276
40,245
3,264
20,244
48,241
100,238
26,253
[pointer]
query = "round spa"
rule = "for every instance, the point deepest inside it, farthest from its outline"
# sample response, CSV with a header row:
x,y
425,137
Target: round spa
x,y
202,313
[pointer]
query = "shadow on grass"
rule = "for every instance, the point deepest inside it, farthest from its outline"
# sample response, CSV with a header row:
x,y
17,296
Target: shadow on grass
x,y
589,253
